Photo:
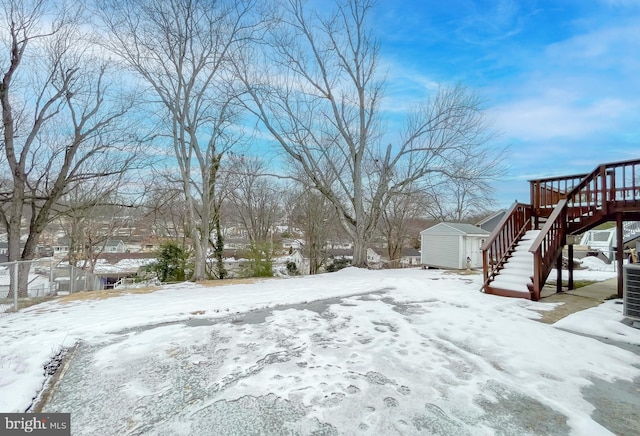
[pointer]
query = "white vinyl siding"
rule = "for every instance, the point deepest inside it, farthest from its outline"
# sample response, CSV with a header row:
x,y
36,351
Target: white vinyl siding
x,y
447,245
441,250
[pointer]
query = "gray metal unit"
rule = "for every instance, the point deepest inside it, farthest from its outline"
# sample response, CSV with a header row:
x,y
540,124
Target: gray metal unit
x,y
631,298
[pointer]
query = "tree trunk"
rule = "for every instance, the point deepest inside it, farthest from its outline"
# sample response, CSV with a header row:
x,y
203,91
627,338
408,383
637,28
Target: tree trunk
x,y
198,262
219,249
359,253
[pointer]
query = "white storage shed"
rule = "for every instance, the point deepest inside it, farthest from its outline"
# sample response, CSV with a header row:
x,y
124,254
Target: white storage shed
x,y
447,245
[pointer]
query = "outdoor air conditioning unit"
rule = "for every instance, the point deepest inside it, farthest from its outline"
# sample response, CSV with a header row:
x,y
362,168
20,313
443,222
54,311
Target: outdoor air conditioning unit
x,y
631,298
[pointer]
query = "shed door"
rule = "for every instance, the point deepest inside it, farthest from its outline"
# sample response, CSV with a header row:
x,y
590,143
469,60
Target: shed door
x,y
475,253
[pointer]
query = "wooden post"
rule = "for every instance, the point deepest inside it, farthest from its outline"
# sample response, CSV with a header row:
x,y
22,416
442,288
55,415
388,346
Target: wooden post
x,y
570,265
619,253
603,190
485,268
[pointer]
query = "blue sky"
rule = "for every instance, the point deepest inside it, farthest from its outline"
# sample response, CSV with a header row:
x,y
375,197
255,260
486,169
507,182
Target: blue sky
x,y
561,79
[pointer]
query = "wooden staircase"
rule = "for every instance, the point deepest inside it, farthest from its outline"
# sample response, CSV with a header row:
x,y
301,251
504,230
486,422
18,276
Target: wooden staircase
x,y
523,249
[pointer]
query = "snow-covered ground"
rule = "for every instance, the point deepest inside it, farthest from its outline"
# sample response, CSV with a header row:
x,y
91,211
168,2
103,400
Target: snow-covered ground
x,y
407,351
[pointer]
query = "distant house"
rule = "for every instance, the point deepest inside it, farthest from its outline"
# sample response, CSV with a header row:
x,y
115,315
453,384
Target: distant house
x,y
492,221
293,244
41,251
61,247
113,266
115,246
407,258
410,257
448,245
236,243
339,245
4,251
134,245
376,257
151,244
302,262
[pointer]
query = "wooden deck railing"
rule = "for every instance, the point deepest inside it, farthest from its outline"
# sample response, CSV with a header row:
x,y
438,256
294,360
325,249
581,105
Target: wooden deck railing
x,y
610,187
547,246
588,203
572,204
545,193
501,243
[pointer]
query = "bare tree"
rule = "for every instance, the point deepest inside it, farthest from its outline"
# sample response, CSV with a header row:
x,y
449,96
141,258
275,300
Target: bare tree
x,y
463,195
166,210
315,216
94,214
63,122
77,211
180,48
397,220
318,93
256,198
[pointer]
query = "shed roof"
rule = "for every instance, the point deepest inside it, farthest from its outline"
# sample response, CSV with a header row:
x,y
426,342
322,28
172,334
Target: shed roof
x,y
461,228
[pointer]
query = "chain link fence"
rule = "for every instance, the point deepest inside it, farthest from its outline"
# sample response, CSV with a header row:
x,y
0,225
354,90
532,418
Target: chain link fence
x,y
45,278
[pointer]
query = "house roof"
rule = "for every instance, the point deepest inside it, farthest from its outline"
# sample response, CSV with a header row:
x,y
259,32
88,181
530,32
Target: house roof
x,y
410,252
491,217
113,242
379,251
463,228
113,258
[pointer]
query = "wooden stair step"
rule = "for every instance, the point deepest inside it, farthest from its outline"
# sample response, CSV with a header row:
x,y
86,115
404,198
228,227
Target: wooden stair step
x,y
512,283
507,292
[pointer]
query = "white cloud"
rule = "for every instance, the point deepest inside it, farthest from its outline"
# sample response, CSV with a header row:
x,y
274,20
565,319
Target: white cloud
x,y
553,115
587,84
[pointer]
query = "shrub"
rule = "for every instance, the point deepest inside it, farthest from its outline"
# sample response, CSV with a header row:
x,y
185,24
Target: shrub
x,y
259,262
172,264
292,268
338,264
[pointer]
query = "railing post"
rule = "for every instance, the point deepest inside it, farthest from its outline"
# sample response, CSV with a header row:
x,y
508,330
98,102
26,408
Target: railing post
x,y
534,278
485,267
612,184
603,189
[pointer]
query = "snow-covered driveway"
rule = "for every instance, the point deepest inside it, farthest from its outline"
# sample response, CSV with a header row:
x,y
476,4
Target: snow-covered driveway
x,y
411,352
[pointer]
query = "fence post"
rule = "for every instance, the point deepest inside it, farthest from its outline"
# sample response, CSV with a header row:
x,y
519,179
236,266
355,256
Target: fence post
x,y
51,278
15,286
71,278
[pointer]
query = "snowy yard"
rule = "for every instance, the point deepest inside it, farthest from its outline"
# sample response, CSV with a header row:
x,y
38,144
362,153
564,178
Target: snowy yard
x,y
387,352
